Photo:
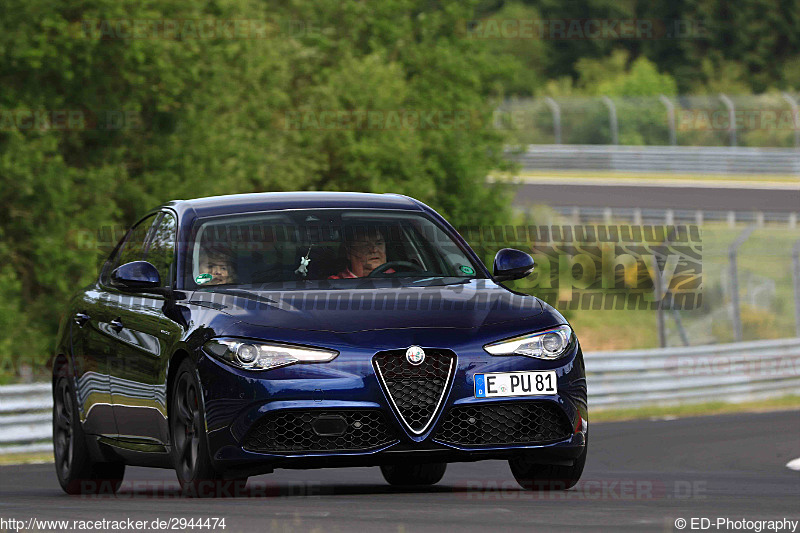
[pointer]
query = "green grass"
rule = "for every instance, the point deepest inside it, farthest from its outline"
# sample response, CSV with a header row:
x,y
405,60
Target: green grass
x,y
26,458
605,330
765,280
765,290
748,178
791,402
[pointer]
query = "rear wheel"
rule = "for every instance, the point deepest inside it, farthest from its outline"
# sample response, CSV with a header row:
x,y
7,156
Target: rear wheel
x,y
413,474
77,472
532,476
192,460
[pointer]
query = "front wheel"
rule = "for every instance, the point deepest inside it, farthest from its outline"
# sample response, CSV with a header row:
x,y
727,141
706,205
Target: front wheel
x,y
196,473
76,471
531,476
414,474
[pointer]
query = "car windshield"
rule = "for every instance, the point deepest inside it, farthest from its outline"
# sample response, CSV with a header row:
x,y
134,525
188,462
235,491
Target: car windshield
x,y
322,244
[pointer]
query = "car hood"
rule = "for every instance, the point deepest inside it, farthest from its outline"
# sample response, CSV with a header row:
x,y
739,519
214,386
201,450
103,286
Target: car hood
x,y
464,305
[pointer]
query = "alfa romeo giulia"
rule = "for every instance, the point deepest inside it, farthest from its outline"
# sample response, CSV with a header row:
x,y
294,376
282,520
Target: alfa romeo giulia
x,y
229,336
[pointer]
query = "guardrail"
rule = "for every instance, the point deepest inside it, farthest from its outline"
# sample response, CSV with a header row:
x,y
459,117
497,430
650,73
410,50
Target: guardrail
x,y
675,159
25,418
735,372
638,216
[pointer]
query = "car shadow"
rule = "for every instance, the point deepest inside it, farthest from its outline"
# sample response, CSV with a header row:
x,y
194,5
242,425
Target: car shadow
x,y
301,489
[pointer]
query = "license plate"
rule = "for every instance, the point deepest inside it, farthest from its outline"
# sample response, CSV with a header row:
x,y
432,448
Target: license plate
x,y
515,384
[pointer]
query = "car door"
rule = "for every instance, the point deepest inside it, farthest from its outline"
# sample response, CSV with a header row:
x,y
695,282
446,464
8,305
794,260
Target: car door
x,y
106,335
144,335
90,354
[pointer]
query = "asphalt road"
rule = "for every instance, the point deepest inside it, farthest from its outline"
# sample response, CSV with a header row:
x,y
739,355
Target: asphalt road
x,y
640,476
659,197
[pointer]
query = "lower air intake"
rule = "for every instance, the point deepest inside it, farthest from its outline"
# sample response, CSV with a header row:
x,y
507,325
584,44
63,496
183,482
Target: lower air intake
x,y
520,422
319,431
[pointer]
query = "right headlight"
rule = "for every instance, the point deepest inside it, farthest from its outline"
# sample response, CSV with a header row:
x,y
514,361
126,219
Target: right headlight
x,y
259,355
548,344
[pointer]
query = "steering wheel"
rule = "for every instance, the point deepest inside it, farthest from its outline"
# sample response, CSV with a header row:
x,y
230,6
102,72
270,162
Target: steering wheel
x,y
396,264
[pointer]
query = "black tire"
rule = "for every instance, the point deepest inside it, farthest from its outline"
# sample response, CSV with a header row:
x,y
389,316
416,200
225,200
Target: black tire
x,y
76,471
532,476
192,460
413,474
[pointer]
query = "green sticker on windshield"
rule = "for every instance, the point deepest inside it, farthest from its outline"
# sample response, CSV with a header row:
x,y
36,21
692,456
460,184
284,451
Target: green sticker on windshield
x,y
468,270
203,278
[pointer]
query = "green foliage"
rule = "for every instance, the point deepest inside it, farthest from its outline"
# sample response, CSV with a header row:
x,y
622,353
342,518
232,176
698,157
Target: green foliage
x,y
184,115
217,114
612,76
736,47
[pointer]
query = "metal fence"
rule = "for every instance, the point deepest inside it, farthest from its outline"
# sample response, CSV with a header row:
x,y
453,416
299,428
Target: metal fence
x,y
732,372
25,418
671,159
638,216
635,378
769,120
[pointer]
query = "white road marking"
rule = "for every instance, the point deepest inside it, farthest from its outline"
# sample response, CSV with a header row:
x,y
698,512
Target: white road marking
x,y
793,464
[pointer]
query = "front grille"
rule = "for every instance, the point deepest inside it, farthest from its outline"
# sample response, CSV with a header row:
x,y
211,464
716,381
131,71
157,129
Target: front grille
x,y
293,432
415,390
520,422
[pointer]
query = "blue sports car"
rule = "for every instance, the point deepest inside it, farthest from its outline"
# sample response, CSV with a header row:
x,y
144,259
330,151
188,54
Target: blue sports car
x,y
225,337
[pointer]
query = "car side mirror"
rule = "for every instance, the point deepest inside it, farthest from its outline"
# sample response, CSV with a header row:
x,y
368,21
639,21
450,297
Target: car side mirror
x,y
512,264
135,276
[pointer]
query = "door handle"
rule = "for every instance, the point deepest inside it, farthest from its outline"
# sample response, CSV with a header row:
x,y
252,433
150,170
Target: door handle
x,y
81,319
116,325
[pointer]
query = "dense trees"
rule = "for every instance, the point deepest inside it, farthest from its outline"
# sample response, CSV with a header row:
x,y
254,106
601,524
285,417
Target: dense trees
x,y
109,107
744,46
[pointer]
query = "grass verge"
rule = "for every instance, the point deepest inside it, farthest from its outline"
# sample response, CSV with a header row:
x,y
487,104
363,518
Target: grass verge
x,y
655,176
26,458
785,403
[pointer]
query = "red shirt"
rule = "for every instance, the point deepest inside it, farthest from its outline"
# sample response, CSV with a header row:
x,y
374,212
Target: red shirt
x,y
346,274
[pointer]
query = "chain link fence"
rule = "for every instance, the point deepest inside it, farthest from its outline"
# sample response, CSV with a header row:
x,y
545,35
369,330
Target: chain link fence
x,y
767,120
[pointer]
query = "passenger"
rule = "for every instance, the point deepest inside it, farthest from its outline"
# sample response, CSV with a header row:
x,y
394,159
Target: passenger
x,y
217,264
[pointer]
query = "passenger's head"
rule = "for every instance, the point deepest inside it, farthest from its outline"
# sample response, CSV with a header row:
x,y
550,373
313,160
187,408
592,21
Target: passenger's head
x,y
365,249
219,265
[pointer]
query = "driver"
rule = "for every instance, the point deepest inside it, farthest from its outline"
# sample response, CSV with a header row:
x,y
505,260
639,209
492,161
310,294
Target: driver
x,y
365,250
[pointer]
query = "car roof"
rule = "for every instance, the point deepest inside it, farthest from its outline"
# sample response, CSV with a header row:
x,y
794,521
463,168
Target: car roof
x,y
244,203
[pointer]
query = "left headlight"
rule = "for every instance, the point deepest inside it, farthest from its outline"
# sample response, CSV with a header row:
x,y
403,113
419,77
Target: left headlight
x,y
548,344
255,355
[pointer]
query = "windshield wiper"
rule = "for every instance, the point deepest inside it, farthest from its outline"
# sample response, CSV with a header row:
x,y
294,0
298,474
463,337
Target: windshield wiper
x,y
239,292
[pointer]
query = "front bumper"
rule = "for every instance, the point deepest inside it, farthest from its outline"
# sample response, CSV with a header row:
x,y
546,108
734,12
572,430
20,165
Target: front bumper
x,y
238,404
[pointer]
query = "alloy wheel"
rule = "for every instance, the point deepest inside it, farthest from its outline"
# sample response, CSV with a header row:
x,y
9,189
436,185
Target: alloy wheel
x,y
63,427
187,425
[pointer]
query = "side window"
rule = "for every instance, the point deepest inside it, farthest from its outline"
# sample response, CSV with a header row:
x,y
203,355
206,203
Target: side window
x,y
130,250
161,251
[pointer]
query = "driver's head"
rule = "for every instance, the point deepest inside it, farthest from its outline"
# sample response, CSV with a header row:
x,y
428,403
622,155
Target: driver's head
x,y
365,249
